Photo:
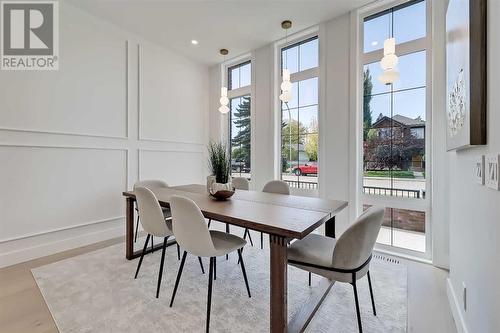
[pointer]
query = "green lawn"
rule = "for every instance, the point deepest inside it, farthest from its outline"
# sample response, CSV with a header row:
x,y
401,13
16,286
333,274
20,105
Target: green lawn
x,y
387,173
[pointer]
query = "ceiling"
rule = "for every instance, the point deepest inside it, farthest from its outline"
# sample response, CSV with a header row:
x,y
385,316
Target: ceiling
x,y
238,25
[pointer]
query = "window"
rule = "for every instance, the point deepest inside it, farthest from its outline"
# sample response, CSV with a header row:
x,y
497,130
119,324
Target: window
x,y
239,93
394,125
239,76
299,117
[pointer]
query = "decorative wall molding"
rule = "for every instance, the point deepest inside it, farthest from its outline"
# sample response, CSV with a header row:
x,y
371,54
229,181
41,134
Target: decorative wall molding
x,y
99,221
83,134
59,244
61,229
28,130
139,106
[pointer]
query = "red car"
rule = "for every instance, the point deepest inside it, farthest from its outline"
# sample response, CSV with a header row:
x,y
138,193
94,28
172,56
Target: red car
x,y
310,168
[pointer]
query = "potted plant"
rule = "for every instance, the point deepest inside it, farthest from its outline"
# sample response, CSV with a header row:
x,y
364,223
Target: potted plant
x,y
219,182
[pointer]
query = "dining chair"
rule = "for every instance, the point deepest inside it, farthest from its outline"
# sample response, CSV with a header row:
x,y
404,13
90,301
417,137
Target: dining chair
x,y
154,223
152,183
274,186
346,259
192,233
242,183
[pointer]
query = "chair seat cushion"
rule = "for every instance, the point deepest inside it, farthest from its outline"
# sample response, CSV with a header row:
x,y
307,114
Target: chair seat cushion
x,y
225,243
318,250
313,249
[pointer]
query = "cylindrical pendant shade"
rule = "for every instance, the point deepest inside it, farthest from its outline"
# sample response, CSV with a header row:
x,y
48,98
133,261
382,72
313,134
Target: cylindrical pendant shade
x,y
390,46
223,91
286,75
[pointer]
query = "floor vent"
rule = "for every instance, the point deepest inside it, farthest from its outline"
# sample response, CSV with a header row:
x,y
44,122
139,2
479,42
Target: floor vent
x,y
385,258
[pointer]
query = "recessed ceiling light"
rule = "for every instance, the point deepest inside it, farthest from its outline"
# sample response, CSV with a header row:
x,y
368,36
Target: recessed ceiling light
x,y
374,43
194,42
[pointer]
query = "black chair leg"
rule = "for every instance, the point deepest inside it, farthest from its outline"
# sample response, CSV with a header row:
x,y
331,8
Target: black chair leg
x,y
241,252
261,240
244,271
178,277
136,229
160,273
215,268
209,221
142,256
227,231
371,293
247,232
357,305
152,246
201,265
209,299
310,278
178,252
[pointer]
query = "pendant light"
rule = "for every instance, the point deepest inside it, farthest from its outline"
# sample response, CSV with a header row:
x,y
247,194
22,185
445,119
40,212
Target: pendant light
x,y
389,61
224,101
286,85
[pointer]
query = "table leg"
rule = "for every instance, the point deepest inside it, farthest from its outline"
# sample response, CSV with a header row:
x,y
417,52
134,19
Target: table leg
x,y
330,227
129,229
278,306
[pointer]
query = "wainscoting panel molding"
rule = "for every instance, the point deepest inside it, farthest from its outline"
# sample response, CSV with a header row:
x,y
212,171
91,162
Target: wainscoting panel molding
x,y
56,188
168,109
71,141
87,96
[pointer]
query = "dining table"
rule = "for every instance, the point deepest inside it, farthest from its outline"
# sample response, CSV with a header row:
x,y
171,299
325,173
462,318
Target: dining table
x,y
283,217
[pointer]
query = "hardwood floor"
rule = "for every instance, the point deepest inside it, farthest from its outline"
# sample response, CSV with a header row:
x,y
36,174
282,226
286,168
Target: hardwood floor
x,y
22,308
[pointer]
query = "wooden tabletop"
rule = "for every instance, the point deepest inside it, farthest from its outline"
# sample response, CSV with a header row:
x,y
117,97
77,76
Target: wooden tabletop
x,y
284,215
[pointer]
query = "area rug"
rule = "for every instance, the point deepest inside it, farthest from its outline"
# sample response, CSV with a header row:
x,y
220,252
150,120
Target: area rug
x,y
96,292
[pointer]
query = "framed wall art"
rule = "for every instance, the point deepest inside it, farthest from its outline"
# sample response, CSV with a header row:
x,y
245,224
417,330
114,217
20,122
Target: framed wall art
x,y
466,73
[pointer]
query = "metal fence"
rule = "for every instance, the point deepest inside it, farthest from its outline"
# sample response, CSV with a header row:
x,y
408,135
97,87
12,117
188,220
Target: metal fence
x,y
302,185
396,192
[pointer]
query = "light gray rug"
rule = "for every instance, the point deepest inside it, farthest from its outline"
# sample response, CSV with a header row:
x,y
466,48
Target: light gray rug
x,y
96,292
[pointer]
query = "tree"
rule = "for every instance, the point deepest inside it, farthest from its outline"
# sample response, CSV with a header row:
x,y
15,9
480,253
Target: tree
x,y
312,142
367,97
241,142
294,130
392,151
292,134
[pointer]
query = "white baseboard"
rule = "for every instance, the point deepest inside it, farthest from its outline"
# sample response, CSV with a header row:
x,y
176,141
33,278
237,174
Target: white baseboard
x,y
25,249
455,308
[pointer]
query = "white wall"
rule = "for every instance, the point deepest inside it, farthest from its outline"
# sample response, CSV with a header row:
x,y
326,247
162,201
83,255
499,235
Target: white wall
x,y
119,109
475,213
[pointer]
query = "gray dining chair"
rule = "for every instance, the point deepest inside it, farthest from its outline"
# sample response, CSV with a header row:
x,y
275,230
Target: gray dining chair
x,y
151,184
241,183
154,223
192,233
274,186
346,259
